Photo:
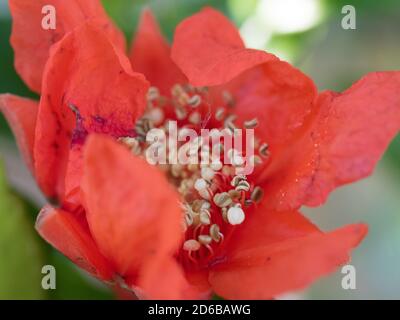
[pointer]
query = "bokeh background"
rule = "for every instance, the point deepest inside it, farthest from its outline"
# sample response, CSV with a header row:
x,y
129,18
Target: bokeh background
x,y
307,33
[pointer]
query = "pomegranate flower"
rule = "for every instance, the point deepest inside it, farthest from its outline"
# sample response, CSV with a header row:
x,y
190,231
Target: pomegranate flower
x,y
187,230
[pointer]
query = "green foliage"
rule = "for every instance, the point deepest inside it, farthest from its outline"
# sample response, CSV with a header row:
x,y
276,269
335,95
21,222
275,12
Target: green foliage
x,y
23,254
21,258
240,9
169,13
73,283
9,80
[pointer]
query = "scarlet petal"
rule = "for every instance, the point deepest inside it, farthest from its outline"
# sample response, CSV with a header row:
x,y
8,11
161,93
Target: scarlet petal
x,y
132,211
69,235
208,49
345,137
264,227
150,55
31,42
267,271
164,279
89,86
21,115
278,95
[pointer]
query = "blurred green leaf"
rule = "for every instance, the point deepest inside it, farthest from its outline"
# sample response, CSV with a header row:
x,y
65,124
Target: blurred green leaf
x,y
168,13
9,81
392,156
240,9
21,259
73,283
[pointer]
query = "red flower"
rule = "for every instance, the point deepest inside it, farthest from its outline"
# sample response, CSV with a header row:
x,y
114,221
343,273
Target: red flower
x,y
120,217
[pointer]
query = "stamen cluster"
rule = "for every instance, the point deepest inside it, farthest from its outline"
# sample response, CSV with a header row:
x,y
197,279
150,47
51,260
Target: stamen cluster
x,y
214,197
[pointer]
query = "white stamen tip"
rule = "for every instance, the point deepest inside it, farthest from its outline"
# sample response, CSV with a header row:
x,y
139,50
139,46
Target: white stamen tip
x,y
204,194
156,115
235,216
205,205
200,184
207,173
237,161
216,165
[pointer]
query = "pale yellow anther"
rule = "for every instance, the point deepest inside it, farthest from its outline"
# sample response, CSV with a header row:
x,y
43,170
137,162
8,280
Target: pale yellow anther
x,y
195,118
228,98
257,194
255,160
180,113
176,170
204,194
153,94
222,199
251,124
235,194
224,213
193,167
205,239
216,165
215,233
188,219
227,170
180,95
264,152
200,184
207,173
205,218
229,122
156,116
243,186
220,114
197,205
237,179
194,101
128,141
191,245
205,205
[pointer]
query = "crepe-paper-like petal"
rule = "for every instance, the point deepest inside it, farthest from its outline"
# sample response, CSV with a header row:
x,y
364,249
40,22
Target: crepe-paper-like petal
x,y
32,41
21,115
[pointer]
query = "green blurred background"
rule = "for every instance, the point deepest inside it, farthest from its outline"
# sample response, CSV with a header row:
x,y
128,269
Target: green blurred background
x,y
307,33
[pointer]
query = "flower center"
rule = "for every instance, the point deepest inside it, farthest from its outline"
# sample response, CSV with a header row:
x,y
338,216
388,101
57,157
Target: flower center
x,y
208,169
